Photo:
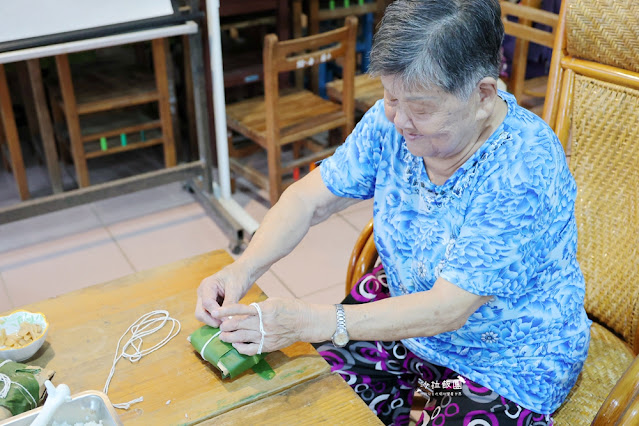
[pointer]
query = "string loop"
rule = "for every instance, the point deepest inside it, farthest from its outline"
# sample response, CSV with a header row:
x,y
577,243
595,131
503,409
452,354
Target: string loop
x,y
144,326
259,314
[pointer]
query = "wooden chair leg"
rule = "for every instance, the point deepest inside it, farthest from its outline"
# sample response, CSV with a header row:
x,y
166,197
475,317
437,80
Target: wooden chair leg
x,y
44,124
190,101
73,120
5,158
11,133
59,123
159,47
297,153
296,12
336,136
274,157
28,105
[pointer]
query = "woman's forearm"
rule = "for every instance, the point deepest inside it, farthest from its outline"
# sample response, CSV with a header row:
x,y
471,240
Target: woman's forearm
x,y
444,308
305,203
283,227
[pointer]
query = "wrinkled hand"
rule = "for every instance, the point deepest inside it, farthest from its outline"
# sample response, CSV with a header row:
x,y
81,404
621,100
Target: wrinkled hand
x,y
284,320
224,288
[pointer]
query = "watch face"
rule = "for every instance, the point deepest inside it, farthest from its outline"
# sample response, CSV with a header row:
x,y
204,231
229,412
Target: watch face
x,y
340,339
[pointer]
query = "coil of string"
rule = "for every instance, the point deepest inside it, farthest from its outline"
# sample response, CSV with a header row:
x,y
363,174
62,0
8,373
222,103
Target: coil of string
x,y
146,325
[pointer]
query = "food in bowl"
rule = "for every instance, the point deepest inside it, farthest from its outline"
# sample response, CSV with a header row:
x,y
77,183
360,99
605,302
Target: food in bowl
x,y
27,333
22,333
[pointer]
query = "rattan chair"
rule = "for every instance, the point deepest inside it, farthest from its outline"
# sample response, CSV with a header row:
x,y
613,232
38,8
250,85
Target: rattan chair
x,y
592,103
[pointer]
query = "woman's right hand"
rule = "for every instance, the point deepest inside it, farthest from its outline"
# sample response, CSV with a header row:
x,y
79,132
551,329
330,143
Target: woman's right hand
x,y
226,287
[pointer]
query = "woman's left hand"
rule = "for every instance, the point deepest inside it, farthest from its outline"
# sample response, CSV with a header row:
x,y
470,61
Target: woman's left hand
x,y
285,322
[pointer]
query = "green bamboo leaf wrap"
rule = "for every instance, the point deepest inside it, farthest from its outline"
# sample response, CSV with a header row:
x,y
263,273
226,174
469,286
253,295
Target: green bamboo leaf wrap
x,y
16,401
220,354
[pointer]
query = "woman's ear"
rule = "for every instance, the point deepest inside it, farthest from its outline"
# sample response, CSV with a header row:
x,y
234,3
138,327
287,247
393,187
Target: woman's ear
x,y
486,96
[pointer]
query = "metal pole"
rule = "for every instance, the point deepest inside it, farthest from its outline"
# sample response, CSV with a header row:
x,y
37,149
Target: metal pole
x,y
219,102
219,109
199,99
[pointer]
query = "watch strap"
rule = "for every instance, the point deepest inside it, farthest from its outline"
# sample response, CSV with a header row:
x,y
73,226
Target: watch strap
x,y
341,317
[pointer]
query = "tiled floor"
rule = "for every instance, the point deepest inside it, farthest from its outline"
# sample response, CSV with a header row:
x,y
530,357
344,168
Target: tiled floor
x,y
49,255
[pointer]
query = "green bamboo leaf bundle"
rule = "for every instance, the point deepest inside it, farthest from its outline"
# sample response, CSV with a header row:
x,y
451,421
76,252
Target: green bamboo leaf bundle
x,y
22,387
223,355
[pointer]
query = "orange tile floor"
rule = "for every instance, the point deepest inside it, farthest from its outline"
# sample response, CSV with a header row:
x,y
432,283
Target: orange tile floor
x,y
49,255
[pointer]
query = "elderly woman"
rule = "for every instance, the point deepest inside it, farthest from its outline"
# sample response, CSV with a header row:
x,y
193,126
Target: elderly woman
x,y
474,226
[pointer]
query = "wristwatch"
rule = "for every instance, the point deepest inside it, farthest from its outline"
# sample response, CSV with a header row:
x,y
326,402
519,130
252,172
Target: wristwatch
x,y
340,337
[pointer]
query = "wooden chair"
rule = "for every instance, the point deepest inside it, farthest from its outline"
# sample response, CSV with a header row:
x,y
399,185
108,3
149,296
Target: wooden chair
x,y
592,103
530,92
280,119
92,104
242,66
368,90
368,13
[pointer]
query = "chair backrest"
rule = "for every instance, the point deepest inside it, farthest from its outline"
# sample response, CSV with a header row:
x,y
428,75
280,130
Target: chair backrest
x,y
304,52
592,103
369,13
528,14
363,257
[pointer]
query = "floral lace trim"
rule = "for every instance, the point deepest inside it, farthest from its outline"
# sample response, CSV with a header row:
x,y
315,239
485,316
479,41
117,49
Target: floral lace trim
x,y
443,195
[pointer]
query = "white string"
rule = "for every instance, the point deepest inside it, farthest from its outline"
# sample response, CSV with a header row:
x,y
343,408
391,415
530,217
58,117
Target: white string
x,y
6,382
144,326
259,314
207,342
6,386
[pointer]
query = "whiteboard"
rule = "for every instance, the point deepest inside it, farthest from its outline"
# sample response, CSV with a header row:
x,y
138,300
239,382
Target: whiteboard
x,y
23,19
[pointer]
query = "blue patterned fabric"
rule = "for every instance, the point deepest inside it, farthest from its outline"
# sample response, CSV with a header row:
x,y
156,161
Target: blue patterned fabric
x,y
502,225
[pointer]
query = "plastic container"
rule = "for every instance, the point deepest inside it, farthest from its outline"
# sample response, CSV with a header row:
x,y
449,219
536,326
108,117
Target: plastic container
x,y
89,406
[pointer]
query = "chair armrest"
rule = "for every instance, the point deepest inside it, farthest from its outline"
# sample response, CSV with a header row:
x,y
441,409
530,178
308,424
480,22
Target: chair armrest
x,y
622,399
353,274
631,415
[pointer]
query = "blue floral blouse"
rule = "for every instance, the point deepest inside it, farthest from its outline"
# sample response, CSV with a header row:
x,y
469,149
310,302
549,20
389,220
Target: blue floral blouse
x,y
502,225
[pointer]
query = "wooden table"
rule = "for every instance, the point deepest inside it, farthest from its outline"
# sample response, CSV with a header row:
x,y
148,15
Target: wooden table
x,y
326,400
177,385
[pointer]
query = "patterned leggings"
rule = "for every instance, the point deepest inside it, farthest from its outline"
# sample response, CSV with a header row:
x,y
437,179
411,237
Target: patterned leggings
x,y
386,375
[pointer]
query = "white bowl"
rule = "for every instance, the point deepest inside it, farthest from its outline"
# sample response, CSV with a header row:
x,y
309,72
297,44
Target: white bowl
x,y
11,324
